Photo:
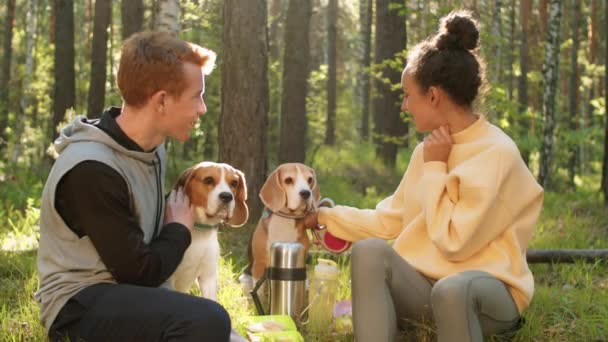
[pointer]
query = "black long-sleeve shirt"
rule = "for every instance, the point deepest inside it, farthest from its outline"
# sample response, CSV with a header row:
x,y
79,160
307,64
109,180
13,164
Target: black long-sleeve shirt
x,y
93,200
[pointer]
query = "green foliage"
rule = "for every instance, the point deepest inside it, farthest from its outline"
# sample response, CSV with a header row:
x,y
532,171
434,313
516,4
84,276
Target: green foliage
x,y
571,301
351,175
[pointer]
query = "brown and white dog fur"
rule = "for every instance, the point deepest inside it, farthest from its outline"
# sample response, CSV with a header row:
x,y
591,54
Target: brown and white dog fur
x,y
289,193
218,193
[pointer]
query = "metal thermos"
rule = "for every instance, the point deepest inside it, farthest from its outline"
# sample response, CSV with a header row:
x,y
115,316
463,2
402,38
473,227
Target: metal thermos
x,y
286,274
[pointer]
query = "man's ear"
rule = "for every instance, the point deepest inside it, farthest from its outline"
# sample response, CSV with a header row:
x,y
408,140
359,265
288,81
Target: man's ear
x,y
158,100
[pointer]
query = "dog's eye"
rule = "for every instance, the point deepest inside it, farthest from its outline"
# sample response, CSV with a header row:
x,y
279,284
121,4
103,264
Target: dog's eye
x,y
309,180
208,181
234,184
288,180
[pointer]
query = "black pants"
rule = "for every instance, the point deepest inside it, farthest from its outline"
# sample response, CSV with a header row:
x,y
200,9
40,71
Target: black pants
x,y
122,312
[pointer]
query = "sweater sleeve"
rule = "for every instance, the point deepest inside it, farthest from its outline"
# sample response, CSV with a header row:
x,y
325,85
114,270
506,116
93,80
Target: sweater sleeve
x,y
93,200
462,213
386,221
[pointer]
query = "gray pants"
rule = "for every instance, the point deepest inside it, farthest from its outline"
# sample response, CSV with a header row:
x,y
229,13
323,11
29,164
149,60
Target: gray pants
x,y
388,294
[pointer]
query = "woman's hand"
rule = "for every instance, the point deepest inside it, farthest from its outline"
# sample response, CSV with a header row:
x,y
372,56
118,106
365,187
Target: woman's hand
x,y
437,145
178,209
311,220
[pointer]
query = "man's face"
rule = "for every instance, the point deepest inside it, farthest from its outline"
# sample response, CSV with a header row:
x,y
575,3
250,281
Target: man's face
x,y
182,111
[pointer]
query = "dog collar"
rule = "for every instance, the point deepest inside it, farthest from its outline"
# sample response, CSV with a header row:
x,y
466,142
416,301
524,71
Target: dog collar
x,y
325,202
267,212
203,226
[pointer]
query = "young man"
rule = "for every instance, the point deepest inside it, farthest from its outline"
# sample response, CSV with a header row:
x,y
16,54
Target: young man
x,y
107,237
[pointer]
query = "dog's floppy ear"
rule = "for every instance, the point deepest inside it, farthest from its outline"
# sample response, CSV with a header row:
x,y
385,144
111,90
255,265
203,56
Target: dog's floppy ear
x,y
272,193
241,211
184,178
316,191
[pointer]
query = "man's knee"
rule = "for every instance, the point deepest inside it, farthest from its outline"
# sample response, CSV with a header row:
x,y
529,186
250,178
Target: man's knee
x,y
208,322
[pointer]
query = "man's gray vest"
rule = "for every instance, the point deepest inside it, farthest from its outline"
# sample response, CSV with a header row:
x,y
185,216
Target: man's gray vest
x,y
67,263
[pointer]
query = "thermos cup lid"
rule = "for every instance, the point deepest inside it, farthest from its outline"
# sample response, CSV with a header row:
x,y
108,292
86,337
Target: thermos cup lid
x,y
287,255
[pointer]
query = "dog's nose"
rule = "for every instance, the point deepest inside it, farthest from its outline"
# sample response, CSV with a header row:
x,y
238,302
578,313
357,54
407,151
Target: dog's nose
x,y
305,194
225,197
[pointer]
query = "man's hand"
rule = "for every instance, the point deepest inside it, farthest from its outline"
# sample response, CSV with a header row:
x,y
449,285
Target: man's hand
x,y
178,209
437,145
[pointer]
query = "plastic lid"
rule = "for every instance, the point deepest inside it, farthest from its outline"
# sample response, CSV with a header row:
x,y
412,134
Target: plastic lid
x,y
326,267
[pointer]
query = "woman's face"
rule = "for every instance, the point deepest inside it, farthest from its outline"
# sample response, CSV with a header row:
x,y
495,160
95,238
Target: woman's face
x,y
419,104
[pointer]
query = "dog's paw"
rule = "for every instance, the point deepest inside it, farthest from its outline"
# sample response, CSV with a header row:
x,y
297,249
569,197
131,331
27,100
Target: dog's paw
x,y
246,282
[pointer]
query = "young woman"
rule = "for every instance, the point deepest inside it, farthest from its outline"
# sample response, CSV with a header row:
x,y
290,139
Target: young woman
x,y
461,217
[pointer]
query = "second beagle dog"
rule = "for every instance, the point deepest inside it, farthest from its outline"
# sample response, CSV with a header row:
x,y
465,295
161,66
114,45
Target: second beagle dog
x,y
289,193
218,192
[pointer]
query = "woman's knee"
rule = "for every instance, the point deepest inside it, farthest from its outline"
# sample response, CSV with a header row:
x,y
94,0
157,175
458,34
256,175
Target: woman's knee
x,y
450,291
455,289
369,249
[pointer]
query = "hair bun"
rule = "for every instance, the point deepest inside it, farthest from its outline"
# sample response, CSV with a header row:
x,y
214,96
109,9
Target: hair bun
x,y
457,30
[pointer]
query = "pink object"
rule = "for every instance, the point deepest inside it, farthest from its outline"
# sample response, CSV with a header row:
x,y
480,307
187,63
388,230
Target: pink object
x,y
343,307
329,241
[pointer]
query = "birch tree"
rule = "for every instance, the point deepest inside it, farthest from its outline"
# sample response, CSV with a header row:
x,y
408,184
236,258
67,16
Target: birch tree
x,y
26,97
550,76
167,18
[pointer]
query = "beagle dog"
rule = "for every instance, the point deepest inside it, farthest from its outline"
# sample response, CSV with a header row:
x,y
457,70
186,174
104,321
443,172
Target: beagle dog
x,y
289,193
218,193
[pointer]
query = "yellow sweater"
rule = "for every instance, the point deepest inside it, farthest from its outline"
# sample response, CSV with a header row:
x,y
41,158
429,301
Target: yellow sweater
x,y
477,212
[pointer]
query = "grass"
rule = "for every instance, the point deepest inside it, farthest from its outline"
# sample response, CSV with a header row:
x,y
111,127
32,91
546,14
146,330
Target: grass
x,y
570,303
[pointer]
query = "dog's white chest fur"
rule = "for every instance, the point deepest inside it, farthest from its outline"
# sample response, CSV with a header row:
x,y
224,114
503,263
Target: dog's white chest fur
x,y
281,229
199,264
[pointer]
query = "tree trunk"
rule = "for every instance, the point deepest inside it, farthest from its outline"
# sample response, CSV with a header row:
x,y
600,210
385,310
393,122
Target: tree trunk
x,y
317,35
243,124
5,78
292,144
543,17
52,20
605,163
26,97
97,86
390,39
274,42
132,17
497,33
566,255
330,123
511,52
365,13
525,10
65,86
167,18
573,91
550,76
